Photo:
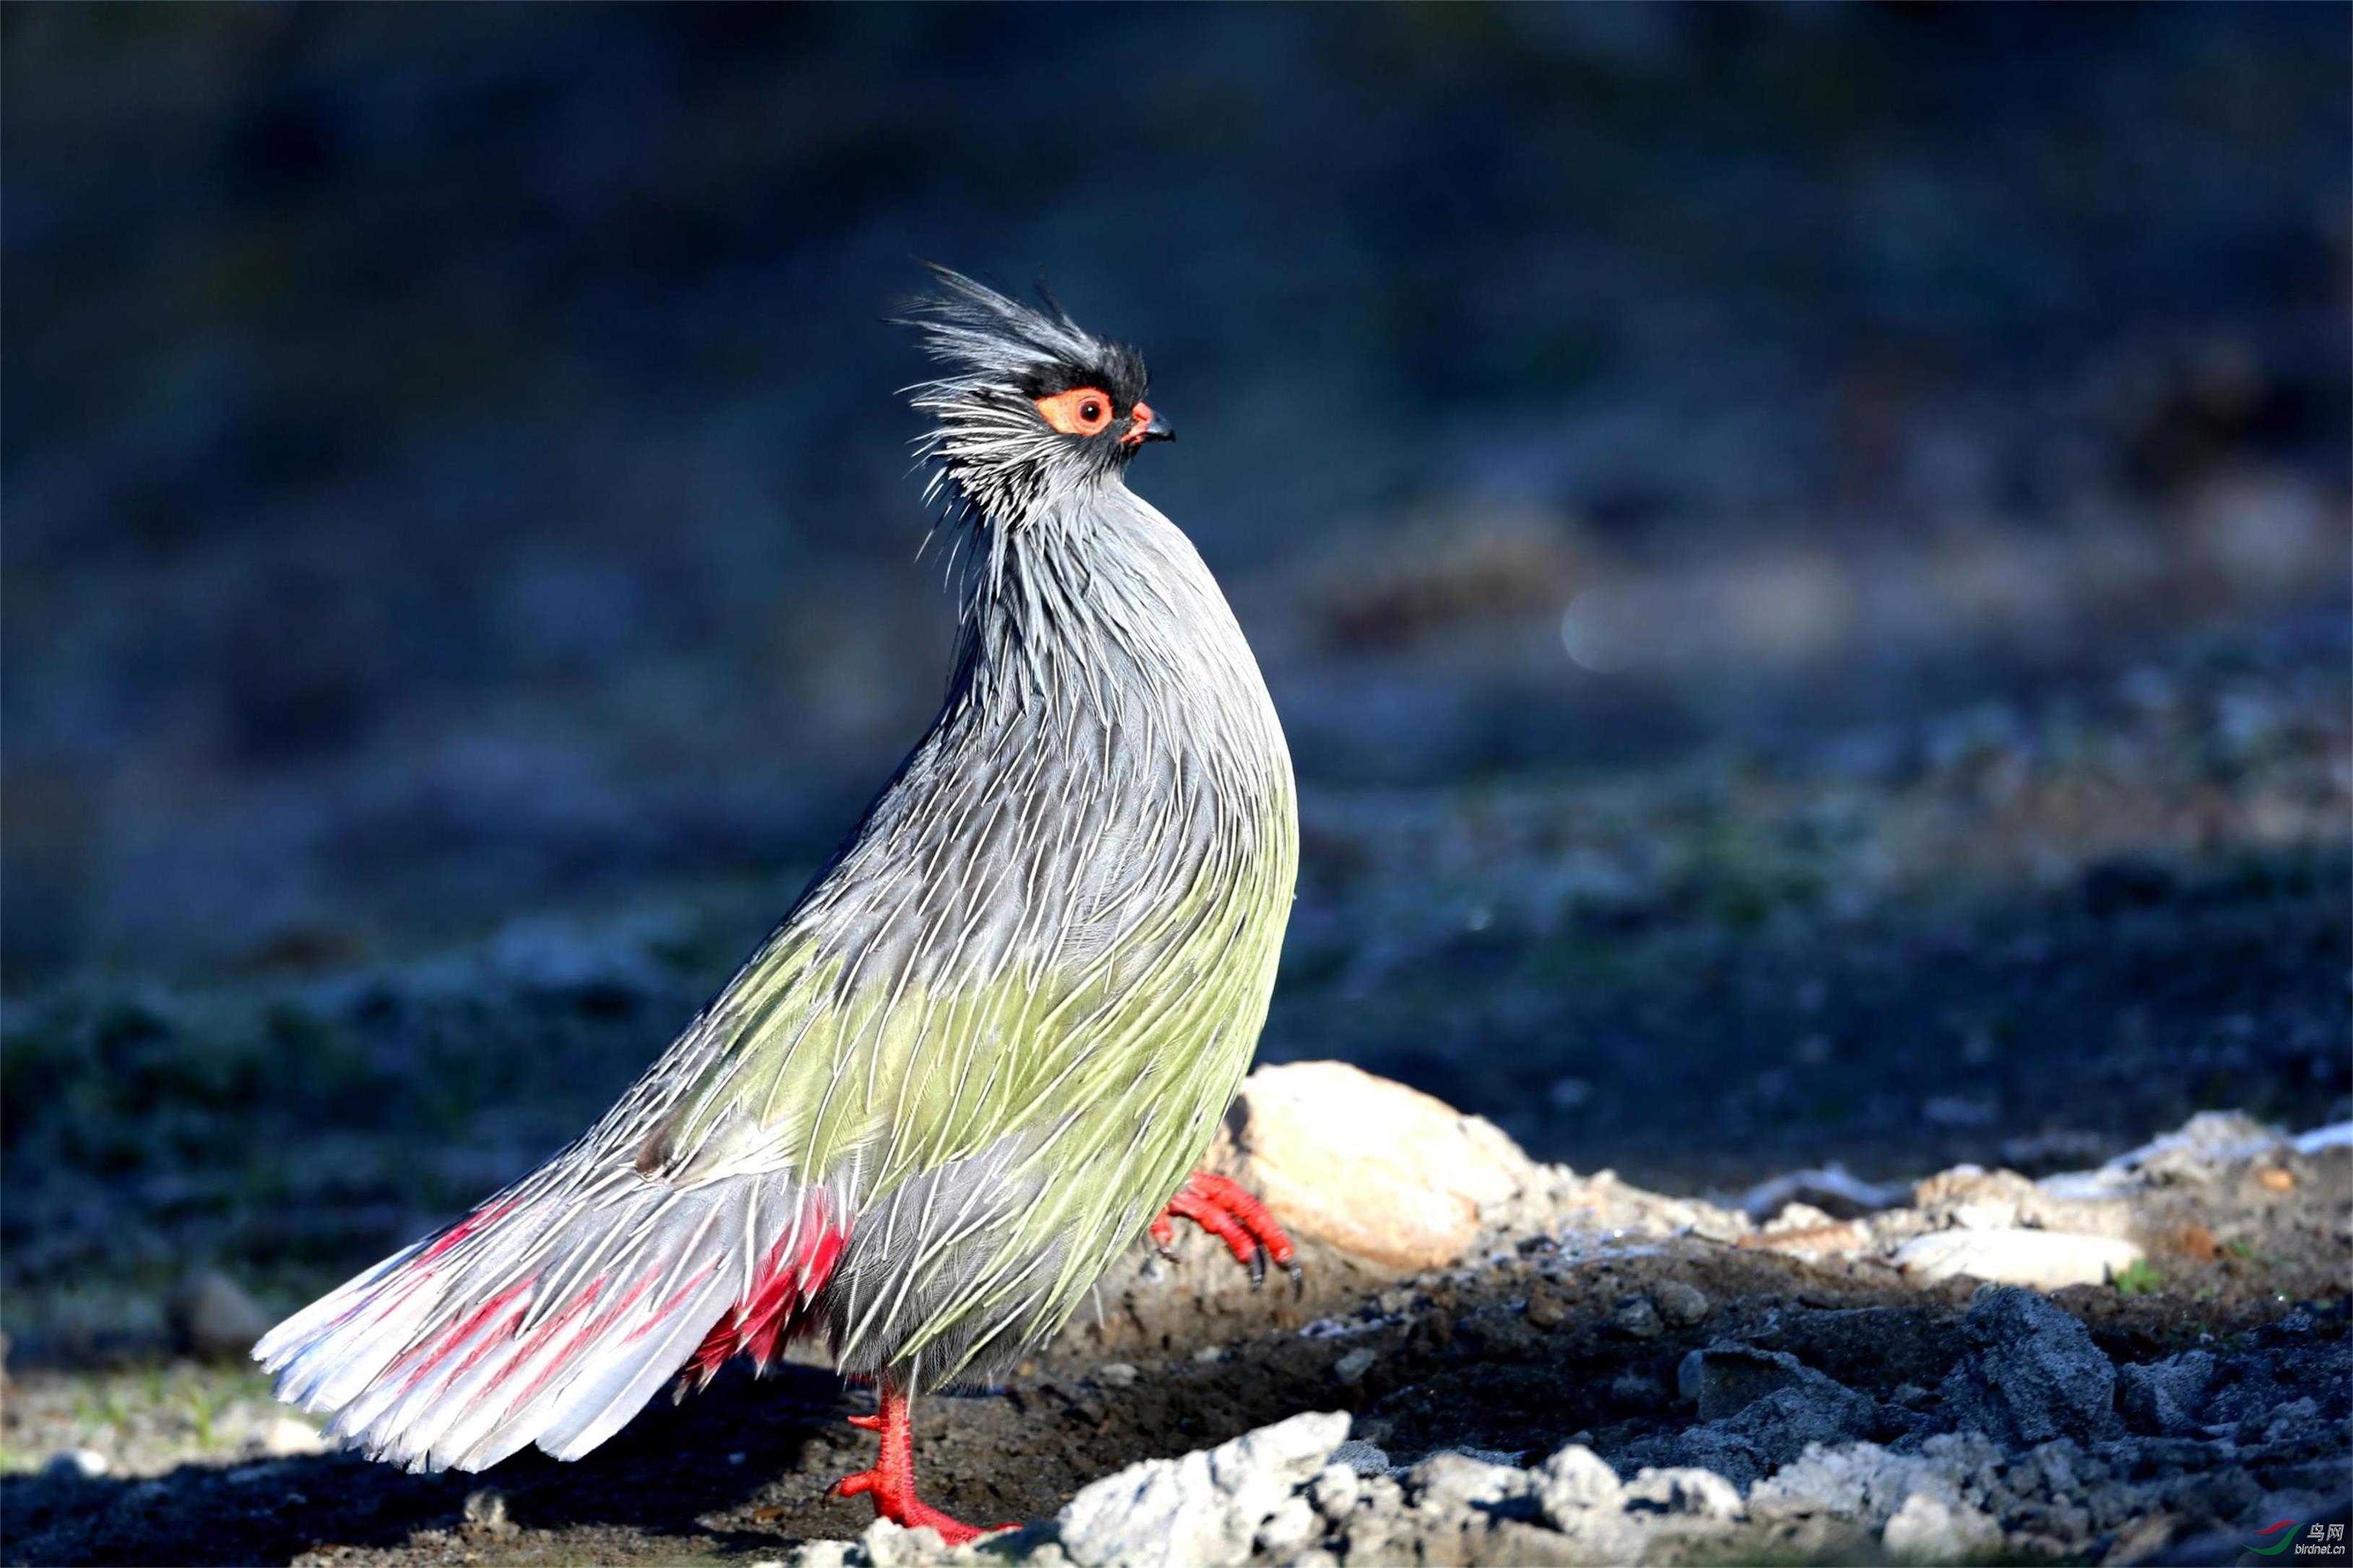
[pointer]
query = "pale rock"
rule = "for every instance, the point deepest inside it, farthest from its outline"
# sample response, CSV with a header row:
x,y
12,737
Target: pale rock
x,y
1378,1171
77,1464
1350,1369
1968,1198
1864,1481
1931,1529
1574,1482
1333,1491
2040,1260
1451,1481
1292,1526
1798,1216
1207,1507
289,1436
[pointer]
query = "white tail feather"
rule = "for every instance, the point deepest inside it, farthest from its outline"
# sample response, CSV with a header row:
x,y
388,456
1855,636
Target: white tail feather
x,y
550,1315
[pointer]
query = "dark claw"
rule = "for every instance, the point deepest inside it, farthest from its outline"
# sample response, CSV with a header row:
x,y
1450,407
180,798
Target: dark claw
x,y
1257,1267
1167,1254
1298,1281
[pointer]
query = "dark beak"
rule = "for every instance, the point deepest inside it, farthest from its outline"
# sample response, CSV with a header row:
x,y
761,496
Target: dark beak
x,y
1157,429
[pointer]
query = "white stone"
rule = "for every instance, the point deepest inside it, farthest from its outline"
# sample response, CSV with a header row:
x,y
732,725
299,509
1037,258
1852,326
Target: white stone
x,y
80,1463
1574,1482
2039,1260
1292,1525
288,1437
1205,1508
1931,1529
1377,1170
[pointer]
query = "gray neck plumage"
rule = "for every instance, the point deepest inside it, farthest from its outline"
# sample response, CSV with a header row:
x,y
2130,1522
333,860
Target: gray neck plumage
x,y
1095,613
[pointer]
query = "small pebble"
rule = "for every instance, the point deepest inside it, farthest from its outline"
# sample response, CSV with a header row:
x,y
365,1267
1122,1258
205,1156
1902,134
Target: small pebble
x,y
78,1464
1207,1353
1637,1319
1116,1374
1680,1304
1350,1369
2274,1180
1548,1308
211,1315
288,1436
486,1509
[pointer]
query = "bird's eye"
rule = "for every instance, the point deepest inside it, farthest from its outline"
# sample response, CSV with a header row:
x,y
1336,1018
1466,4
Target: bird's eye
x,y
1082,411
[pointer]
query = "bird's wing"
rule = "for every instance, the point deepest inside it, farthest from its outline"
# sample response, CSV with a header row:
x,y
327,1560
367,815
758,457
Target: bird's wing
x,y
1028,1087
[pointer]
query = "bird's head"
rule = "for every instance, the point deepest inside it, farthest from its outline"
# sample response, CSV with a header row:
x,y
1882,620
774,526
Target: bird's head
x,y
1032,404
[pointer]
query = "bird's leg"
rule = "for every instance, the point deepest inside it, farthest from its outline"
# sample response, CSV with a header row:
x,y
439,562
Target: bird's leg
x,y
891,1481
1230,1212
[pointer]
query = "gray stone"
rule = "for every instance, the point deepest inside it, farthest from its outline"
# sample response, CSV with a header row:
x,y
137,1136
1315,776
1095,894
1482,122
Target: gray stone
x,y
1365,1459
1207,1507
1779,1426
1698,1494
2163,1396
212,1316
1637,1319
2032,1375
1350,1369
1680,1304
1726,1378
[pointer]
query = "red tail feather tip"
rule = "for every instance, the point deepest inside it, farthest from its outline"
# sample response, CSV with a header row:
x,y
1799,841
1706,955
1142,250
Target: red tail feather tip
x,y
760,1324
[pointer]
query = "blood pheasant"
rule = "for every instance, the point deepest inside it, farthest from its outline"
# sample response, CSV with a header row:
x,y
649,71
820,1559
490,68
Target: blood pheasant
x,y
984,1051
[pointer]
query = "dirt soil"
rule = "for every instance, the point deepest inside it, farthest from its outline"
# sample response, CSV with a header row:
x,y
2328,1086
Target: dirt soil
x,y
1541,1343
2029,935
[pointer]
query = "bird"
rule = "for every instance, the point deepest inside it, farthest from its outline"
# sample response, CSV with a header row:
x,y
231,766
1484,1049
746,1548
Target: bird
x,y
982,1054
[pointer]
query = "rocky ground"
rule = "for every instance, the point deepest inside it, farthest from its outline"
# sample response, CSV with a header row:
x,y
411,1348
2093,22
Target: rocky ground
x,y
1811,627
1602,1374
1778,992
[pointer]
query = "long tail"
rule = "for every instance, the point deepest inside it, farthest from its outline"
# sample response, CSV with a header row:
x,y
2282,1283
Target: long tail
x,y
552,1313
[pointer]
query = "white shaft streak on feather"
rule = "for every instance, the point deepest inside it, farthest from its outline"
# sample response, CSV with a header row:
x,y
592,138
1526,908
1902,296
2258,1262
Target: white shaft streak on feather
x,y
1028,982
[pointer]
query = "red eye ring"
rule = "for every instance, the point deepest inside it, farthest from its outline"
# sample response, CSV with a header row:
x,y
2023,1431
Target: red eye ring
x,y
1082,411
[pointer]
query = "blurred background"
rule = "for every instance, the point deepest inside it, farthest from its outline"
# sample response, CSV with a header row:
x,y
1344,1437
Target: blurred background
x,y
1803,553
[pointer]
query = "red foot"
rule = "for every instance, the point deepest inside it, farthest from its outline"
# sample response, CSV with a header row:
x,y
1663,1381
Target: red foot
x,y
1228,1212
891,1481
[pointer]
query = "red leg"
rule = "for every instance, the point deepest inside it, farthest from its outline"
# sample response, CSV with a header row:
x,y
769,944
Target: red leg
x,y
1228,1212
891,1481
